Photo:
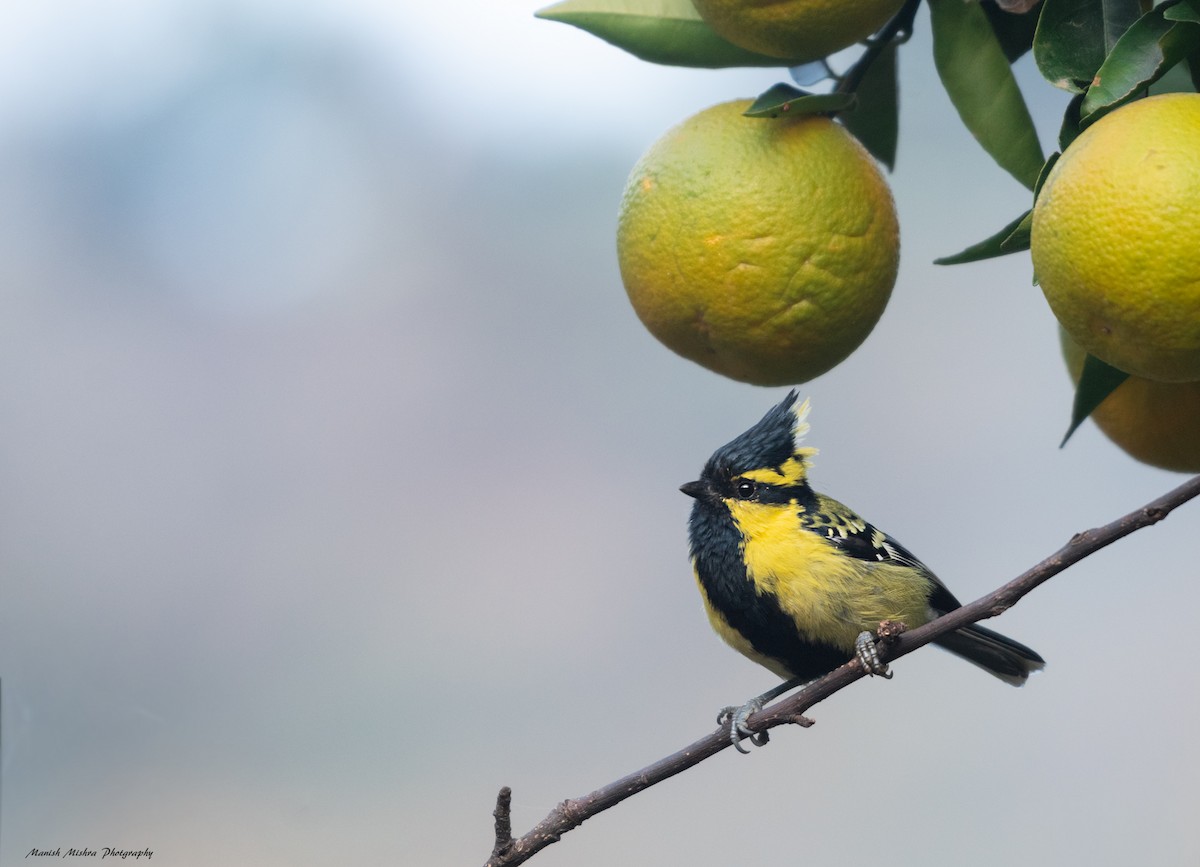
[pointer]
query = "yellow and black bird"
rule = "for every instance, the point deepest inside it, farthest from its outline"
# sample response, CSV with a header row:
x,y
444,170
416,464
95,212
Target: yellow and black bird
x,y
797,582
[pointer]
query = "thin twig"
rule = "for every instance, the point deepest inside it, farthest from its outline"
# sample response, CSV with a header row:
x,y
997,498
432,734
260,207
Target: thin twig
x,y
574,811
898,29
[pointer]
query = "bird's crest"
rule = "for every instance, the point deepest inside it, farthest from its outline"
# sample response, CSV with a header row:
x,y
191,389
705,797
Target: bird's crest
x,y
800,428
772,451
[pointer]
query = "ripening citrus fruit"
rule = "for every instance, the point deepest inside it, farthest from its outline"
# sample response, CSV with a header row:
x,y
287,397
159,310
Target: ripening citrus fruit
x,y
1116,238
1156,422
765,250
797,30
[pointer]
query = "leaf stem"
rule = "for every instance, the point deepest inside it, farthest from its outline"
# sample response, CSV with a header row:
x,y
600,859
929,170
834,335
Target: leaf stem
x,y
899,28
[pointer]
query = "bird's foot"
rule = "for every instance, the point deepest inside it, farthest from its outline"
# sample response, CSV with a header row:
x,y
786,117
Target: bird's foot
x,y
735,717
868,656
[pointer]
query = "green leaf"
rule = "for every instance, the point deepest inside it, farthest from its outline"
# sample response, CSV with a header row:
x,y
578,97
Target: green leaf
x,y
1183,12
1184,76
1193,67
1045,173
1018,239
1011,239
660,31
875,121
1014,31
1070,130
980,83
1151,46
1178,78
1074,36
785,99
1097,382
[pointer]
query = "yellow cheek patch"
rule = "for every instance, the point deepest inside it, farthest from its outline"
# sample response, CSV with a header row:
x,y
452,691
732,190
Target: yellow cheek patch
x,y
793,471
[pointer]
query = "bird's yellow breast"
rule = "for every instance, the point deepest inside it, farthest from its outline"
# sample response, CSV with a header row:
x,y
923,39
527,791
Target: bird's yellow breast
x,y
830,595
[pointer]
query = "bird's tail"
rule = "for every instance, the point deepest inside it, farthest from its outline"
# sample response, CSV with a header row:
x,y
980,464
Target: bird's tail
x,y
1008,660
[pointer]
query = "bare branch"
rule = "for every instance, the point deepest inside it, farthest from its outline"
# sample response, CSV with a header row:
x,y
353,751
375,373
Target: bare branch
x,y
503,815
573,812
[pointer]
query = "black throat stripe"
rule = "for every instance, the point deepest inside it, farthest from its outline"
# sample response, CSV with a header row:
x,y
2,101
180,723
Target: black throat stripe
x,y
717,547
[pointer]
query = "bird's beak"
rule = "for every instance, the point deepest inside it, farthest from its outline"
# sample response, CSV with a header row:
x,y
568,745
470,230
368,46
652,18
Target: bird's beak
x,y
693,489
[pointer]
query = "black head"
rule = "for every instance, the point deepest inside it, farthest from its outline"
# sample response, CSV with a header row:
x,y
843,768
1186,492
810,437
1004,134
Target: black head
x,y
769,453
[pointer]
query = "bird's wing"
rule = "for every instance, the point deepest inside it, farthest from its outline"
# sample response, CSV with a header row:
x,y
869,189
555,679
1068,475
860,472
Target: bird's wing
x,y
861,540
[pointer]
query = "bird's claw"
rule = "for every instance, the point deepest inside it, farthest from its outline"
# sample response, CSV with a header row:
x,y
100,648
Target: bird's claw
x,y
868,656
735,717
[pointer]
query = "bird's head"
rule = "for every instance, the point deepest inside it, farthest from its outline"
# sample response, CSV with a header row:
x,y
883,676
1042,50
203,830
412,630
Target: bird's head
x,y
767,463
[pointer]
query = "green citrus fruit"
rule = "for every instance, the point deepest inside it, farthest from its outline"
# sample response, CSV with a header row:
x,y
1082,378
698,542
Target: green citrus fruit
x,y
765,250
797,30
1158,423
1116,238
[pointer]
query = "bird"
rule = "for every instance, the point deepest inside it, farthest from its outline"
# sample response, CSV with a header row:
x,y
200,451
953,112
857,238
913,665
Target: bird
x,y
798,582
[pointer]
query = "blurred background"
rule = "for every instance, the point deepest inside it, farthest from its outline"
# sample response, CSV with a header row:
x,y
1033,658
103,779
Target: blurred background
x,y
338,480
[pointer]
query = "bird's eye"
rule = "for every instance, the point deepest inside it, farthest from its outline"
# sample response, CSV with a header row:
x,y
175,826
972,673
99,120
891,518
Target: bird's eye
x,y
745,489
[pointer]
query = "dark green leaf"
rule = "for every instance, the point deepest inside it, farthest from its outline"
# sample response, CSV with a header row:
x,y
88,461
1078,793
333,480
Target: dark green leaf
x,y
1069,130
1177,79
785,99
1074,36
875,120
1193,67
1045,173
1097,382
1027,223
1147,50
1192,61
980,83
1014,32
660,31
1011,239
1018,238
1183,77
1183,12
